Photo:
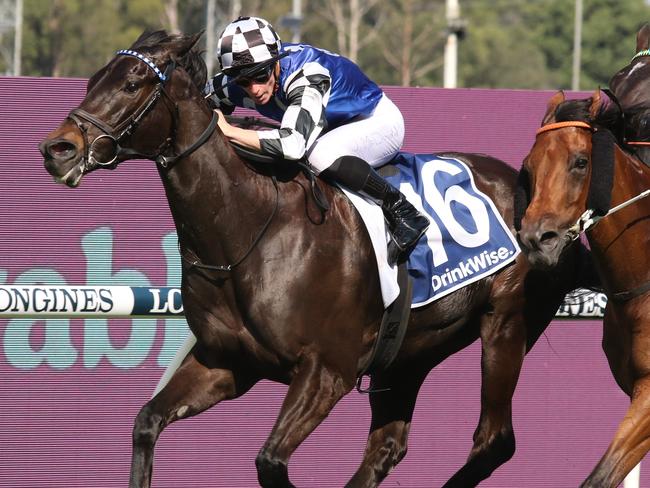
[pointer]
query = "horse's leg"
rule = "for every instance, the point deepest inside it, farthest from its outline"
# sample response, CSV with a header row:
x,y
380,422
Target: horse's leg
x,y
630,444
627,352
313,392
392,411
522,310
503,339
193,388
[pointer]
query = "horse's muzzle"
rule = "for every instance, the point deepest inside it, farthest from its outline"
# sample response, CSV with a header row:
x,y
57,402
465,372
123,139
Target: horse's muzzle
x,y
542,245
61,159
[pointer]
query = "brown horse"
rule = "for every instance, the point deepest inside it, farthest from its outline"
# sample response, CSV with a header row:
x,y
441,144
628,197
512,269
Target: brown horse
x,y
575,165
294,299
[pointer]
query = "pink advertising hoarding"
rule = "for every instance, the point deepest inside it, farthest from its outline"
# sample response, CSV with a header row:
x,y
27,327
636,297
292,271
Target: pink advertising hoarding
x,y
70,388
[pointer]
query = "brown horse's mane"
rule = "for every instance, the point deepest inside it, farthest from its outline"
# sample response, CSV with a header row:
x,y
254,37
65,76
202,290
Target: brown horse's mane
x,y
192,61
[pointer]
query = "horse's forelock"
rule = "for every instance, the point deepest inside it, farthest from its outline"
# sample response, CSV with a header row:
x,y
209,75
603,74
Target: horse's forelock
x,y
608,116
574,110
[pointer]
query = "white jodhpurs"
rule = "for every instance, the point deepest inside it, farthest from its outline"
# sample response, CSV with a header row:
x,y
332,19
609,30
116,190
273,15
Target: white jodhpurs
x,y
376,138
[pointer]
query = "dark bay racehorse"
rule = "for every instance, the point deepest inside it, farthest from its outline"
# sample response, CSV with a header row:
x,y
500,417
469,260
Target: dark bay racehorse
x,y
299,302
631,87
575,165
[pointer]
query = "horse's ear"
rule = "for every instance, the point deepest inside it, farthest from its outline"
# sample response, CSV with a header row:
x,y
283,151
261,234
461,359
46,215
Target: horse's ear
x,y
186,43
643,38
555,100
596,102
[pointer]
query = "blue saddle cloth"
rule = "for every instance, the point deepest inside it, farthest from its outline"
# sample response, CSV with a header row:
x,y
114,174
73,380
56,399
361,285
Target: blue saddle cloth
x,y
467,240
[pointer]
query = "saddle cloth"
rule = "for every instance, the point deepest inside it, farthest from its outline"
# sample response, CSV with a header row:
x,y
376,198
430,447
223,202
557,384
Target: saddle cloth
x,y
466,241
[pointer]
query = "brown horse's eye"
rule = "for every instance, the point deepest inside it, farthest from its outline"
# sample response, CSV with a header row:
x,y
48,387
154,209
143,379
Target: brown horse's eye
x,y
580,163
131,87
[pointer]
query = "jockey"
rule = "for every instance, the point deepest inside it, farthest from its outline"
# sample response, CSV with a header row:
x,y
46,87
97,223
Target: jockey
x,y
329,112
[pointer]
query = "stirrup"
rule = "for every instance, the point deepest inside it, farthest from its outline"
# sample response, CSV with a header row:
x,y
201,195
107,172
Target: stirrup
x,y
398,255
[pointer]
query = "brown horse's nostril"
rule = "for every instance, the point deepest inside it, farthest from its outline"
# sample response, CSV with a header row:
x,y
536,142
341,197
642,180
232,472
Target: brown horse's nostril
x,y
58,149
548,238
538,239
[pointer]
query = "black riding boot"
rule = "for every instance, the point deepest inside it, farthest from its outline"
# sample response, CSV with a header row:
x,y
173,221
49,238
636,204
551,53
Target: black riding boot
x,y
405,224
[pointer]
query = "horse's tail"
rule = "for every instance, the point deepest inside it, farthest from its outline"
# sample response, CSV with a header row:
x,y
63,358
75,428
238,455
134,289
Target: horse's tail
x,y
176,361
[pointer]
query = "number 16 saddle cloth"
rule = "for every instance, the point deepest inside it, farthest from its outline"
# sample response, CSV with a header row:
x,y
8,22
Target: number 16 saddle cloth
x,y
466,241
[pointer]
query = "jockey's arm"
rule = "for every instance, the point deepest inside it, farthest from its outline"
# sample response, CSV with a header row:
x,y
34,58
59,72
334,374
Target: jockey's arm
x,y
304,118
244,137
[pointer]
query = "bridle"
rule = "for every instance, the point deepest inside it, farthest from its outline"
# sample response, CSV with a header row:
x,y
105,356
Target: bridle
x,y
116,135
590,217
127,127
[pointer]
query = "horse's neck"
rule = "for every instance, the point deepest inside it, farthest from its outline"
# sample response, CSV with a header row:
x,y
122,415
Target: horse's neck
x,y
211,194
621,240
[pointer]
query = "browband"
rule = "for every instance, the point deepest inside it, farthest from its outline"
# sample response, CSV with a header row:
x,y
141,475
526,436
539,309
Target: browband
x,y
560,125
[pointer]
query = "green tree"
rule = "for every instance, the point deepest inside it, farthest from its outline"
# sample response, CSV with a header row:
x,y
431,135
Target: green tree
x,y
499,50
508,43
608,32
75,37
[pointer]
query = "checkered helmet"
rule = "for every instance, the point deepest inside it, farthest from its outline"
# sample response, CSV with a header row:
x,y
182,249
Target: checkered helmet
x,y
246,42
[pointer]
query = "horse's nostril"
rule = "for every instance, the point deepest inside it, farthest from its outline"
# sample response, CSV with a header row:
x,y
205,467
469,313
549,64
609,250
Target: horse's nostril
x,y
536,240
58,149
547,237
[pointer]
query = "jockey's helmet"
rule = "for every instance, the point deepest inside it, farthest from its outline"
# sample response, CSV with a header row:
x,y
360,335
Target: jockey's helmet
x,y
246,45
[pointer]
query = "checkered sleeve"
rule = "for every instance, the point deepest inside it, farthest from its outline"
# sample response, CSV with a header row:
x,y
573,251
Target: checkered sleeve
x,y
219,94
307,92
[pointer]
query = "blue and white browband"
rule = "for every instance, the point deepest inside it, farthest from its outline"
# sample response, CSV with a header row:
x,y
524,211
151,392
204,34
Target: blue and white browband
x,y
149,62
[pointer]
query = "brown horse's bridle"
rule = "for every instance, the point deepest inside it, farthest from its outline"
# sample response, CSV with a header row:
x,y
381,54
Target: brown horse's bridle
x,y
128,126
589,218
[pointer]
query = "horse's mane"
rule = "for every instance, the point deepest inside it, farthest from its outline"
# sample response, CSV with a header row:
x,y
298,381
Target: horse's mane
x,y
192,62
608,117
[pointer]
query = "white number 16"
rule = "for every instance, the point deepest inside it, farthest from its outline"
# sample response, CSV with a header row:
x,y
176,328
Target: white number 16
x,y
442,206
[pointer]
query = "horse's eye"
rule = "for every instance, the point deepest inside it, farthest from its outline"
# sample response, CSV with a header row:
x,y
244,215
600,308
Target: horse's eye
x,y
644,123
580,162
131,87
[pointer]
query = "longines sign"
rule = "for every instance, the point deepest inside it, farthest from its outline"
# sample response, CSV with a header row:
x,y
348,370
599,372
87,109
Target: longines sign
x,y
74,301
125,301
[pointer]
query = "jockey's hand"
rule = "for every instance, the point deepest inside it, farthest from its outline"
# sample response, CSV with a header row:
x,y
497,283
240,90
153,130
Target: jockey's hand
x,y
223,124
245,137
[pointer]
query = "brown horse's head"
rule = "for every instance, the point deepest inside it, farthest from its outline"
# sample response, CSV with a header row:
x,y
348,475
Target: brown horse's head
x,y
558,173
133,87
631,86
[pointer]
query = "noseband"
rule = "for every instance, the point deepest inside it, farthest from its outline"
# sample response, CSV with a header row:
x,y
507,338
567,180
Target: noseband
x,y
115,135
